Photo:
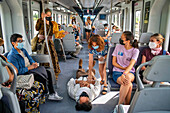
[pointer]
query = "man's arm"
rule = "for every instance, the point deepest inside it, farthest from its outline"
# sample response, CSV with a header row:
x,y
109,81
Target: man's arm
x,y
72,88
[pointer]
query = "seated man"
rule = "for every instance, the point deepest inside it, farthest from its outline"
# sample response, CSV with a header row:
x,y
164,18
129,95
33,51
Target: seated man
x,y
25,65
78,46
83,90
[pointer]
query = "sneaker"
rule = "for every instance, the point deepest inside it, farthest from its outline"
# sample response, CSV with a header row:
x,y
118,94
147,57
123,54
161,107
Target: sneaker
x,y
74,56
54,97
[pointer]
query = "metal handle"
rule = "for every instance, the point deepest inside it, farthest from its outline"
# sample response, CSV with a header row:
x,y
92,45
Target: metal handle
x,y
139,82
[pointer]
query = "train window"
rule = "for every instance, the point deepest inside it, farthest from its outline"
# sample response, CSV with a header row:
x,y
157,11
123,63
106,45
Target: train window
x,y
26,20
146,16
54,17
115,19
137,24
59,19
35,18
65,19
121,19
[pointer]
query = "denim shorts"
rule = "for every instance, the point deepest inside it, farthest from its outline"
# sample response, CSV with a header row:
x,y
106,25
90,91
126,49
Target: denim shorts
x,y
117,74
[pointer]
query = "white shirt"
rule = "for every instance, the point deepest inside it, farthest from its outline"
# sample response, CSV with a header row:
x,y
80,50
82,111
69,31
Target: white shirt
x,y
27,62
74,90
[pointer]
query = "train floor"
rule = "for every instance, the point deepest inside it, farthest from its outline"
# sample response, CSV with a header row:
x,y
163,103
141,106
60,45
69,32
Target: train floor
x,y
102,104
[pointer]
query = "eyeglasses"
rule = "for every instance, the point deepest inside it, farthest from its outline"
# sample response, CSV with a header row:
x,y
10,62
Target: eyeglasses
x,y
20,41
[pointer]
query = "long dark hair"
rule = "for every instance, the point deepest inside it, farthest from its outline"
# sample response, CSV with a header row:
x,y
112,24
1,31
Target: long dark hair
x,y
129,36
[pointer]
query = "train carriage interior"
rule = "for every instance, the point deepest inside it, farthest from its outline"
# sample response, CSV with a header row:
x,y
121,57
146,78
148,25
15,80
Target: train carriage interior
x,y
46,47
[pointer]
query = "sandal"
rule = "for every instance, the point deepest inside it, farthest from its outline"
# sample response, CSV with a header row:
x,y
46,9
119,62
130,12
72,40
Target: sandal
x,y
101,82
104,91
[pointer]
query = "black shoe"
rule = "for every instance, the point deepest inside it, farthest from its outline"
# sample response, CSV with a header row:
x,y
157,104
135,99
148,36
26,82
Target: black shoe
x,y
74,56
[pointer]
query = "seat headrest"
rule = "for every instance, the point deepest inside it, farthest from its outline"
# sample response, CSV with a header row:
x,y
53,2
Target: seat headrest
x,y
100,32
69,29
3,72
145,37
158,70
115,37
63,27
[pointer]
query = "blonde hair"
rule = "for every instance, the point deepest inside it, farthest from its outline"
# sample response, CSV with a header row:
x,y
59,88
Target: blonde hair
x,y
158,37
1,41
99,41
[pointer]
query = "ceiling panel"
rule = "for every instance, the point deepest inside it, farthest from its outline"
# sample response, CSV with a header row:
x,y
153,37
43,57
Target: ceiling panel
x,y
87,3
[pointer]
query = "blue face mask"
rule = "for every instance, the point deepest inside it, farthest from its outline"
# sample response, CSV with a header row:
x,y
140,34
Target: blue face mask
x,y
95,47
106,30
20,45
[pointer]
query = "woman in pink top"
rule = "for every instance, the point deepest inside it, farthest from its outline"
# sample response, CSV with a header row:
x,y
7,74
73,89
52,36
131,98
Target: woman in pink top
x,y
124,57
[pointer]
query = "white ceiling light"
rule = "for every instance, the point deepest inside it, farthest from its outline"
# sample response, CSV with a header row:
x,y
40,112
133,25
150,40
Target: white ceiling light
x,y
58,8
62,8
78,3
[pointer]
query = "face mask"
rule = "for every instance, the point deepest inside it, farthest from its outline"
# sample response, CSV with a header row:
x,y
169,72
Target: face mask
x,y
48,18
152,45
105,40
84,94
106,30
1,49
95,47
20,45
121,41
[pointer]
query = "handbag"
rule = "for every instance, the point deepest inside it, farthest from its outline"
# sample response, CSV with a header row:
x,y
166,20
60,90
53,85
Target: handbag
x,y
25,81
34,43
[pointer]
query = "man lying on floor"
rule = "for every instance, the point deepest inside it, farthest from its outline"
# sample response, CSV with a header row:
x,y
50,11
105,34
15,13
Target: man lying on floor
x,y
83,90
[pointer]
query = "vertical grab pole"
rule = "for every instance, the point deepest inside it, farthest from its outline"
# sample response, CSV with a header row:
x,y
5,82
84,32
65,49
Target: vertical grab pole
x,y
45,33
111,17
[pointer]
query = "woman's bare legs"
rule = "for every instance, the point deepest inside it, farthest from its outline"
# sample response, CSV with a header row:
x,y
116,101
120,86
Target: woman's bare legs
x,y
125,90
87,36
101,67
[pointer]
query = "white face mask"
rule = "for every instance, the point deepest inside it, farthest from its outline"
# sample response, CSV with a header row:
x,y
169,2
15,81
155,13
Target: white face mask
x,y
152,45
1,49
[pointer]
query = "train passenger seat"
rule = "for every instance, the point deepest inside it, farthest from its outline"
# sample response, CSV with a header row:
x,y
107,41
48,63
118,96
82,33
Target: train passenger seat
x,y
153,98
113,85
143,43
10,93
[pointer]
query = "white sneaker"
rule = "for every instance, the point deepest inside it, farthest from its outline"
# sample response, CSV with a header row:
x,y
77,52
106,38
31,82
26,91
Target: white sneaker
x,y
54,97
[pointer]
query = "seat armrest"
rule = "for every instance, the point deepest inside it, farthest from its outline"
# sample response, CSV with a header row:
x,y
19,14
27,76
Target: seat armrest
x,y
40,58
123,108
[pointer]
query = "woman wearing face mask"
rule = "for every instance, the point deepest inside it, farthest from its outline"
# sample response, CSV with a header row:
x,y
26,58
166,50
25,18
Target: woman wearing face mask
x,y
97,46
155,48
52,28
88,28
73,21
124,57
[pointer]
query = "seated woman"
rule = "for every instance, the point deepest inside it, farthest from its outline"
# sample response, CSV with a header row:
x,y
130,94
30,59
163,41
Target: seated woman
x,y
20,58
155,49
124,57
82,90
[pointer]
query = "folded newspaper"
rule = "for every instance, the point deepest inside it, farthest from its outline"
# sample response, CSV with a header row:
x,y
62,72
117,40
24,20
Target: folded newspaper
x,y
25,81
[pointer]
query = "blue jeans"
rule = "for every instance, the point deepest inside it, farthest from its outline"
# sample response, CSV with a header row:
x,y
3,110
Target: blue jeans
x,y
117,74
